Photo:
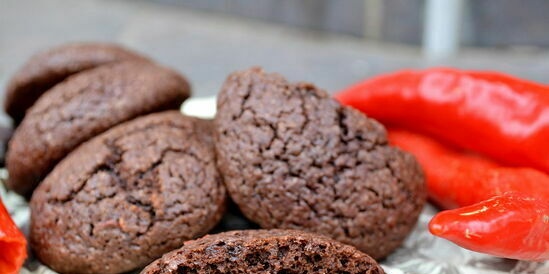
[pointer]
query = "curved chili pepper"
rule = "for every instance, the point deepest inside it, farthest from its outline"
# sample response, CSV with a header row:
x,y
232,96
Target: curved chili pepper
x,y
456,179
13,246
495,114
512,226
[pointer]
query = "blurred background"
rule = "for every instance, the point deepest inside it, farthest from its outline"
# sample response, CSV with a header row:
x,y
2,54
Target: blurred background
x,y
332,43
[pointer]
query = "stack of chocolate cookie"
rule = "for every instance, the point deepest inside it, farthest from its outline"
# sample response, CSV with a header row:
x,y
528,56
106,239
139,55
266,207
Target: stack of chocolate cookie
x,y
122,179
67,95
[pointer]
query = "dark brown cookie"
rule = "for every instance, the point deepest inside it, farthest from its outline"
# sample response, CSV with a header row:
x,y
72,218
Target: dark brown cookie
x,y
292,157
264,251
83,106
45,69
128,196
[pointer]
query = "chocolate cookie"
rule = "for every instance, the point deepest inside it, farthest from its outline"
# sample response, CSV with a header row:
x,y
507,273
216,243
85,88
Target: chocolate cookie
x,y
83,106
45,69
292,157
264,251
128,196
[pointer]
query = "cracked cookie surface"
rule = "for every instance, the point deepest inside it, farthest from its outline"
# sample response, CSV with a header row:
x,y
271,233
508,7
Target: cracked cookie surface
x,y
45,69
128,196
83,106
292,157
264,251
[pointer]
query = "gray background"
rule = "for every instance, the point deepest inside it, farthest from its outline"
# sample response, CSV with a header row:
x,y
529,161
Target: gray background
x,y
206,44
494,23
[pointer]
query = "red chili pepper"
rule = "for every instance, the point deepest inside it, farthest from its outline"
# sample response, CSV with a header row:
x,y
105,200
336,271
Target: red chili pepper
x,y
13,246
512,226
456,179
495,114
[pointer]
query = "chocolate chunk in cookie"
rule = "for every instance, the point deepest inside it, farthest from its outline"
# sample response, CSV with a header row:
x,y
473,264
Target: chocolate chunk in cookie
x,y
128,196
264,251
83,106
292,157
45,69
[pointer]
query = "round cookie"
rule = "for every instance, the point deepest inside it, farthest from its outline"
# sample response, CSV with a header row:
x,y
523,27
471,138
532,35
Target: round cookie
x,y
292,157
128,196
83,106
264,251
45,69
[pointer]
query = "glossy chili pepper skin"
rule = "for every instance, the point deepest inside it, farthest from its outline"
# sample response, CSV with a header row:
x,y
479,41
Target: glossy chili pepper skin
x,y
455,178
512,226
13,246
498,115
